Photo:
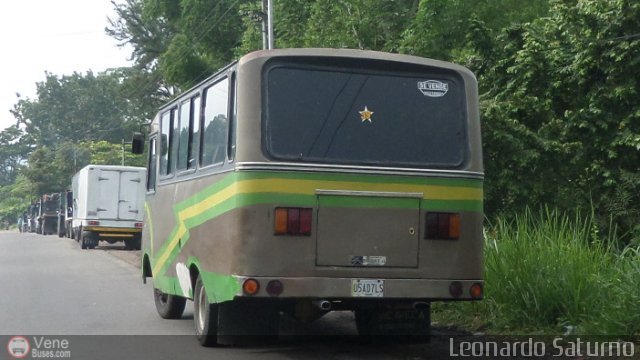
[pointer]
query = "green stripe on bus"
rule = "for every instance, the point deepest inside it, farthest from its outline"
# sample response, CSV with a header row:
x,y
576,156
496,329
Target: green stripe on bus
x,y
368,202
219,287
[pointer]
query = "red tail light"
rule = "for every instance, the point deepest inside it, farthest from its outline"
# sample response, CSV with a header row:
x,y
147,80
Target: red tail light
x,y
443,226
476,291
292,221
93,222
139,225
305,221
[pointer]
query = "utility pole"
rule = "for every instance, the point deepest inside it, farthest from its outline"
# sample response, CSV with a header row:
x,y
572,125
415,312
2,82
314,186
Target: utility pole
x,y
270,22
265,35
267,24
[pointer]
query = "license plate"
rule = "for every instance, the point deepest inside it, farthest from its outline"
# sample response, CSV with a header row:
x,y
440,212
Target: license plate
x,y
367,288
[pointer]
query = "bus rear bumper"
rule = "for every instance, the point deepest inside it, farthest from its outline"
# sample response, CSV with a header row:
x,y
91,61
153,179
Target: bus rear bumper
x,y
364,288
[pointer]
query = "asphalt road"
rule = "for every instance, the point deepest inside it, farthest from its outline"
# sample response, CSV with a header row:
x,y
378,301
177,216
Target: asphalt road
x,y
51,287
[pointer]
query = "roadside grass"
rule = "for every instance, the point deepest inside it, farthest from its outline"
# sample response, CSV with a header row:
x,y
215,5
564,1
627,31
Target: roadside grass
x,y
548,273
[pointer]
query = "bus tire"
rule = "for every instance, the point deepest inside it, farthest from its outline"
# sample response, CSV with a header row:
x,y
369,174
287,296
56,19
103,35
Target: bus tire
x,y
169,306
205,316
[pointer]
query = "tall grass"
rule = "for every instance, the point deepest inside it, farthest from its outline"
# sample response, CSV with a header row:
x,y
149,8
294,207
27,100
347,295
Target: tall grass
x,y
548,273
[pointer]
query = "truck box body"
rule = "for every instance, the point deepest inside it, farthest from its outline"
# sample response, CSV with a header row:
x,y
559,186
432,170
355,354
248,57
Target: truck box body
x,y
108,201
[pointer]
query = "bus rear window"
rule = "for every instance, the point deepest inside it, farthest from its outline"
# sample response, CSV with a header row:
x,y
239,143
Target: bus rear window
x,y
365,118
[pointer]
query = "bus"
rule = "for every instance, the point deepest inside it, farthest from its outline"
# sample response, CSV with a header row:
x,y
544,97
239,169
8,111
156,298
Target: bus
x,y
295,182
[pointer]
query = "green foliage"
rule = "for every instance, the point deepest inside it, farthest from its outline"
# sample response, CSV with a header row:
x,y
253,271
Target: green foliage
x,y
192,38
560,119
441,28
359,24
548,272
75,108
75,119
545,271
12,150
105,153
11,206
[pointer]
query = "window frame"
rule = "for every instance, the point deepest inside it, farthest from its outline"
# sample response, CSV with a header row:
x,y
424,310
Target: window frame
x,y
180,127
379,69
153,151
202,127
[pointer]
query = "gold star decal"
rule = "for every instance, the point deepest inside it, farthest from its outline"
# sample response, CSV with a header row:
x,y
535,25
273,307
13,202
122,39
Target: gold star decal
x,y
365,114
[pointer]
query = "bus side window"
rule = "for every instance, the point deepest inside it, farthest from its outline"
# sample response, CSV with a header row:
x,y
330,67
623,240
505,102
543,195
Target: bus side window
x,y
168,142
214,139
151,172
195,135
165,128
183,131
231,151
174,141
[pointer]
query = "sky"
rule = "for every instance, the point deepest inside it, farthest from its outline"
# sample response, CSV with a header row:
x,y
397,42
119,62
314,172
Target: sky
x,y
57,36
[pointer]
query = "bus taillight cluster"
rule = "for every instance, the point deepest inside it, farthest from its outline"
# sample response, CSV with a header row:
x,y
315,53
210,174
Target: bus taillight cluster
x,y
292,221
443,226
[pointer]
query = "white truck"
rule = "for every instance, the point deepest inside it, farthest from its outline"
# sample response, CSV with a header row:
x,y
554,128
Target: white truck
x,y
108,205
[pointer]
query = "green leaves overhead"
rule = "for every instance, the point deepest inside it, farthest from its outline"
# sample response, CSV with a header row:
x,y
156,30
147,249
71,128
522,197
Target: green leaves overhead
x,y
75,107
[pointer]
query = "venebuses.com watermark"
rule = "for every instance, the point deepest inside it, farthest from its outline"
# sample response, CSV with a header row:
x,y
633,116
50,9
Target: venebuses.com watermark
x,y
528,347
38,347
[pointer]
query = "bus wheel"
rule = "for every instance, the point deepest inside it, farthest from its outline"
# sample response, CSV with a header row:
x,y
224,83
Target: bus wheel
x,y
169,306
205,316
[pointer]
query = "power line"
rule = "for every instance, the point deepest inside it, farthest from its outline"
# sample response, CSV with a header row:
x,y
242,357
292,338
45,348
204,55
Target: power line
x,y
158,76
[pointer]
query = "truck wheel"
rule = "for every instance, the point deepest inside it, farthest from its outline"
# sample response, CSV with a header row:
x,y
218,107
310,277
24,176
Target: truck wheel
x,y
205,316
169,306
82,239
88,240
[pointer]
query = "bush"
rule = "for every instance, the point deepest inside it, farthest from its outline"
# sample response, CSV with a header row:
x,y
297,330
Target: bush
x,y
548,273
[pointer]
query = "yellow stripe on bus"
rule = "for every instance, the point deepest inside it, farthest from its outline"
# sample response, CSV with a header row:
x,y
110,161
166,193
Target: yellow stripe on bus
x,y
309,187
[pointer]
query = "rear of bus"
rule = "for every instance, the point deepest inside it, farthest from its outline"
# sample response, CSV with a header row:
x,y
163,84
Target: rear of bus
x,y
363,183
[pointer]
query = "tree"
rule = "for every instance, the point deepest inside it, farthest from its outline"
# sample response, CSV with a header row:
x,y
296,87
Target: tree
x,y
13,151
561,124
75,108
104,153
185,41
440,28
361,24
